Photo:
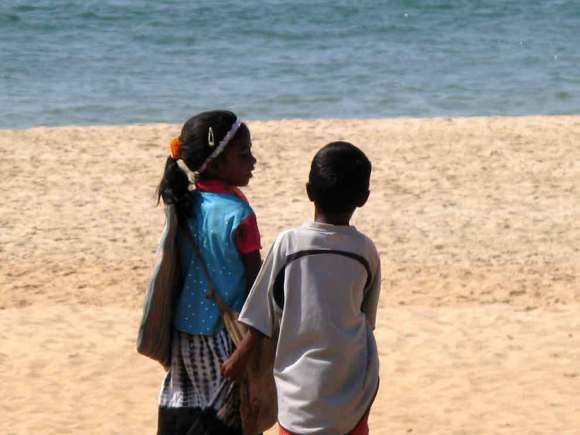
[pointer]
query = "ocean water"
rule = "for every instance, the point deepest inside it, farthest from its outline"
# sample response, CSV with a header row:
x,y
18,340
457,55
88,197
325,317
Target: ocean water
x,y
79,62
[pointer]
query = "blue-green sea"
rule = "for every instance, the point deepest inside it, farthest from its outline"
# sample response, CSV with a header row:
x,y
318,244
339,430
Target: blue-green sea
x,y
79,62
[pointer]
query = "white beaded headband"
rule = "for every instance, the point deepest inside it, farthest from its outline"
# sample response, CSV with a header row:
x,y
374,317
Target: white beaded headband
x,y
219,149
193,176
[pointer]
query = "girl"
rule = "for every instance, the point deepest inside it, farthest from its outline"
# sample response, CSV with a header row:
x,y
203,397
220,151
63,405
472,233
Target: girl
x,y
208,162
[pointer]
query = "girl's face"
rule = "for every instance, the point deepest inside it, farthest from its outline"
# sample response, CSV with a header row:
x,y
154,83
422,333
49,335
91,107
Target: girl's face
x,y
236,164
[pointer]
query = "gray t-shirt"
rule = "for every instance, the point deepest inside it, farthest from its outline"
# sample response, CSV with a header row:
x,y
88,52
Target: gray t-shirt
x,y
318,291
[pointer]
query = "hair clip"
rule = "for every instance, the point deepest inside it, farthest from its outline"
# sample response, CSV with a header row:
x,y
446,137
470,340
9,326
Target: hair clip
x,y
220,147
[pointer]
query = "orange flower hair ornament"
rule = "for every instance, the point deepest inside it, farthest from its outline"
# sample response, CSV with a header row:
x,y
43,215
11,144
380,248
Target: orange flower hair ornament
x,y
175,148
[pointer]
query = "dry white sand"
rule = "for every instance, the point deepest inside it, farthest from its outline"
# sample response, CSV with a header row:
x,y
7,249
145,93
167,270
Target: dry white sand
x,y
476,221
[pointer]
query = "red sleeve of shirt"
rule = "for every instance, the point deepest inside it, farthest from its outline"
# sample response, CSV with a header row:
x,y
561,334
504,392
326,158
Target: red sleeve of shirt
x,y
248,236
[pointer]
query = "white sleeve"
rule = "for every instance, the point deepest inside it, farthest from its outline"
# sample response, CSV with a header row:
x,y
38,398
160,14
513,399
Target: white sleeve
x,y
371,298
259,310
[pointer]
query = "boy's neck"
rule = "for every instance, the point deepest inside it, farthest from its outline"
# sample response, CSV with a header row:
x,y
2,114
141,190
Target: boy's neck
x,y
342,218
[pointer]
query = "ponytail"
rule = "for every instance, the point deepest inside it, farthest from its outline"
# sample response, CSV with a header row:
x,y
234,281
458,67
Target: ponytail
x,y
174,184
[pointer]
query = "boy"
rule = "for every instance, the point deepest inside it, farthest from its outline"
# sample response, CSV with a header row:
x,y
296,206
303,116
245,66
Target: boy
x,y
317,292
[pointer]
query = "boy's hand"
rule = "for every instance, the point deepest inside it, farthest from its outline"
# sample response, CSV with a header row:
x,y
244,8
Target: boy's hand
x,y
234,368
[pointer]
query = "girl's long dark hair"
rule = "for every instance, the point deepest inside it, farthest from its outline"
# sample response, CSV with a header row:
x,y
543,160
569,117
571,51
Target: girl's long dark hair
x,y
195,149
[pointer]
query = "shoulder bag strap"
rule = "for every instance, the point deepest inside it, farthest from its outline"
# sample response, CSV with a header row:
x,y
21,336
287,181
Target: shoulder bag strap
x,y
211,288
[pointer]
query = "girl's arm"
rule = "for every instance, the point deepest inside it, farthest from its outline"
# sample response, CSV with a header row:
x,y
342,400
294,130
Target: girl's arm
x,y
247,240
252,263
235,366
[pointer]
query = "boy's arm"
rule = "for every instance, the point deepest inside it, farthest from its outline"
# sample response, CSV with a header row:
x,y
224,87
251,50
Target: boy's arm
x,y
257,313
371,298
235,366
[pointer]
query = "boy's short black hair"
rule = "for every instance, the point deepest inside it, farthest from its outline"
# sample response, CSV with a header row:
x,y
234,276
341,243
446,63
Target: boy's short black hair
x,y
339,177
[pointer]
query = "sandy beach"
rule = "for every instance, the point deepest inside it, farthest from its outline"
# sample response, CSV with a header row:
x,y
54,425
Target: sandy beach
x,y
476,221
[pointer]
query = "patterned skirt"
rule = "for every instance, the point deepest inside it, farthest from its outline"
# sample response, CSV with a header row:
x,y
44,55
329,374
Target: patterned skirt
x,y
195,398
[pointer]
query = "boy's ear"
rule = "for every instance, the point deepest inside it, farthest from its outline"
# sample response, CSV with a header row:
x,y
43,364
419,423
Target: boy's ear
x,y
363,199
309,192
